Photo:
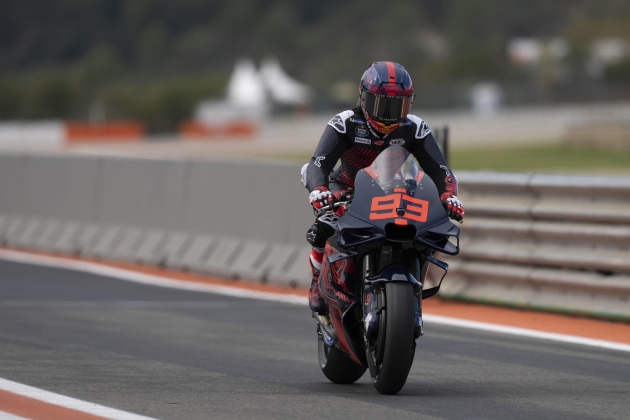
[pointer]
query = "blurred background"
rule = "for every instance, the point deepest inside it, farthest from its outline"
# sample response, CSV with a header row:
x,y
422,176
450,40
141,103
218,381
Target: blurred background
x,y
523,85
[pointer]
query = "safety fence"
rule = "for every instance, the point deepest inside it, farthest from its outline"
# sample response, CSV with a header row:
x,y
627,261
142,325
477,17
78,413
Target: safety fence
x,y
555,242
550,242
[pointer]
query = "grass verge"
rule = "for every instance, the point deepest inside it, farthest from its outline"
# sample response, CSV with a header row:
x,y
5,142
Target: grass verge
x,y
541,158
550,158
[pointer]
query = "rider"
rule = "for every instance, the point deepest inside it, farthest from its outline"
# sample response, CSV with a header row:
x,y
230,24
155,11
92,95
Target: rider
x,y
357,136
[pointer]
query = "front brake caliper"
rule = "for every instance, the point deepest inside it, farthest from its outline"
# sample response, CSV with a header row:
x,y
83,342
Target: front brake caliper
x,y
370,312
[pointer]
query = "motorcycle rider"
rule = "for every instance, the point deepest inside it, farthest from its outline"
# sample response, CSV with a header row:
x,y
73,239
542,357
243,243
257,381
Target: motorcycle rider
x,y
357,136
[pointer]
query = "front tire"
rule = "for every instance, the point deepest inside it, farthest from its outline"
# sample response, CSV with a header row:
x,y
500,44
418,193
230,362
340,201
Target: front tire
x,y
391,360
337,366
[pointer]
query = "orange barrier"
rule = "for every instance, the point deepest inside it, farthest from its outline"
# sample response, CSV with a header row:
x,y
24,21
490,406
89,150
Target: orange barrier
x,y
119,131
195,130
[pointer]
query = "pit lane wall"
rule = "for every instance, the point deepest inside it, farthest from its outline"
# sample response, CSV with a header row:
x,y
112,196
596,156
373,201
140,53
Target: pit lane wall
x,y
551,242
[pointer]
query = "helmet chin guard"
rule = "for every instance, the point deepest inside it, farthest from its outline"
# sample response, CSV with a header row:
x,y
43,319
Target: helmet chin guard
x,y
379,126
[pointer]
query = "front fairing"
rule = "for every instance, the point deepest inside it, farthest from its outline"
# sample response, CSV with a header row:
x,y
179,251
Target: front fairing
x,y
395,200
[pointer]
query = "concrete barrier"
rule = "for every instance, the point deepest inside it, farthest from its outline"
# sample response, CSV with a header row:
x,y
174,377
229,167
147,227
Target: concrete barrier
x,y
174,248
551,242
195,254
67,239
149,246
50,233
261,200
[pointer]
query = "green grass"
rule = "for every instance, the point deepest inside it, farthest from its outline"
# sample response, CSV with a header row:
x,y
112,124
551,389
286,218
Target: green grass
x,y
549,158
540,158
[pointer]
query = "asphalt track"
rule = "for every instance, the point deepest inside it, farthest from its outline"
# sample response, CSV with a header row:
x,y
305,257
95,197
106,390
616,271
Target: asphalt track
x,y
174,354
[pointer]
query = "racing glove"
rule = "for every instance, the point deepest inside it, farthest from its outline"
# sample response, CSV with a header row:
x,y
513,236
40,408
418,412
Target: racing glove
x,y
454,207
344,195
320,197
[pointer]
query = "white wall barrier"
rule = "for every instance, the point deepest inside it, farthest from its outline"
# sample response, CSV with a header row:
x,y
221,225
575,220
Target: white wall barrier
x,y
552,242
32,133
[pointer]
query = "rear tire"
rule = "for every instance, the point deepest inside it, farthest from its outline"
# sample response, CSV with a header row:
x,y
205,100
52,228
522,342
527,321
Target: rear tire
x,y
337,366
390,376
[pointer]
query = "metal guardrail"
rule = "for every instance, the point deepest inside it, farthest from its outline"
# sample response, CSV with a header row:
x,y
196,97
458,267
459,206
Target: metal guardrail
x,y
541,241
556,242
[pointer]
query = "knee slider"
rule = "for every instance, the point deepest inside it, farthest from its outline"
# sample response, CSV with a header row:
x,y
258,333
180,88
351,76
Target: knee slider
x,y
318,233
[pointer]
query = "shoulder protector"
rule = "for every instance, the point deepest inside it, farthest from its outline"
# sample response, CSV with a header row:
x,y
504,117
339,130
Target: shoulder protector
x,y
422,129
338,122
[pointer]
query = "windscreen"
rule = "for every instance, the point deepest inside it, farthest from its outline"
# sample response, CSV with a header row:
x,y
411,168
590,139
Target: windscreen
x,y
394,168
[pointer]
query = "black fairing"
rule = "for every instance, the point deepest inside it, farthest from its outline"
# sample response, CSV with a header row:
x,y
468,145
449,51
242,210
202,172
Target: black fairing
x,y
356,229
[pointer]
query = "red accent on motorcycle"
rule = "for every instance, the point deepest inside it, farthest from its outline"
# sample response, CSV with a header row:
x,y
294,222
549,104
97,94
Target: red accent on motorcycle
x,y
371,172
386,208
418,212
387,204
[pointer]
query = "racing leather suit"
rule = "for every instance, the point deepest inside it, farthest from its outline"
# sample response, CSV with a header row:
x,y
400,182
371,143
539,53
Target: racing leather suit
x,y
350,138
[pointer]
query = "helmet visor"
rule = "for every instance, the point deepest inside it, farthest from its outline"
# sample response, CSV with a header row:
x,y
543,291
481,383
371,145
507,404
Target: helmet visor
x,y
386,108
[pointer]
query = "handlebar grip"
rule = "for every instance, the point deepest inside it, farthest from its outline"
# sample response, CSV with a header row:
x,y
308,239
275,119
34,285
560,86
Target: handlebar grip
x,y
329,207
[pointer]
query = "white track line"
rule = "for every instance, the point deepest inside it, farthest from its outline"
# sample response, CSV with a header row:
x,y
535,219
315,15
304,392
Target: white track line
x,y
524,332
9,416
153,280
149,279
67,402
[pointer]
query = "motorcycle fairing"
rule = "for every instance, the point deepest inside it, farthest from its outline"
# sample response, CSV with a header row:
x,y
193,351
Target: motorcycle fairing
x,y
338,281
354,232
394,272
337,286
352,330
407,202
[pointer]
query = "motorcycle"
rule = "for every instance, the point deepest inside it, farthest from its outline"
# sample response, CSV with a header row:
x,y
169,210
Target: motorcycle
x,y
374,269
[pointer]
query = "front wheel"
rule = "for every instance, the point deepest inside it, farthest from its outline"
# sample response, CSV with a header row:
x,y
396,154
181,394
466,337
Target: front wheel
x,y
337,366
391,355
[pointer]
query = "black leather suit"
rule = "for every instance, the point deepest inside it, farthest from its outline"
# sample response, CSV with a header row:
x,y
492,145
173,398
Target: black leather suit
x,y
350,138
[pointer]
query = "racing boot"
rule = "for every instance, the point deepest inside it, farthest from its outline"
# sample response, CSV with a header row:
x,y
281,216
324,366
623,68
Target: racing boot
x,y
315,301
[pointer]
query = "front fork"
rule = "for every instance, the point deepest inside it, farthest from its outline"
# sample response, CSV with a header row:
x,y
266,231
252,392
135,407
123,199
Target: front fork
x,y
373,306
372,310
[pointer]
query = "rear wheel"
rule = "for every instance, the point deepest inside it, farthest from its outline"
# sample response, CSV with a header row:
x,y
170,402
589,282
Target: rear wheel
x,y
337,366
391,354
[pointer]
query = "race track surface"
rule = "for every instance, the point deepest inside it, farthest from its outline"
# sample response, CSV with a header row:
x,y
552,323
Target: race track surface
x,y
173,354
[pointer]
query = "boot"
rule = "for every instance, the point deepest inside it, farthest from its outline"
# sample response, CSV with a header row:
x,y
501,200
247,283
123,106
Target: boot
x,y
315,301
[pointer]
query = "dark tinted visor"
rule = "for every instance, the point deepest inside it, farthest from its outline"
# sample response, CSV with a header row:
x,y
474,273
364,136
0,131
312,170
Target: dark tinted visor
x,y
386,108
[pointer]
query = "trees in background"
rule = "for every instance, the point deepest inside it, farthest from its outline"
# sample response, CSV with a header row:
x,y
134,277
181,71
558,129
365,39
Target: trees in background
x,y
154,59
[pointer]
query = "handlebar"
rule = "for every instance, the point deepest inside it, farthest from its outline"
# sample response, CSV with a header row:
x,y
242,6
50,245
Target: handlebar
x,y
333,206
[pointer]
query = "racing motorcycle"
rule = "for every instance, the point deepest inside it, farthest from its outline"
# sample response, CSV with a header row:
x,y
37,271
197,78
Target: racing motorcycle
x,y
374,270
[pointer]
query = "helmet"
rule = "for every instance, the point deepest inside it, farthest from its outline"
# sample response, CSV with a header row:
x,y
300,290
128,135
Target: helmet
x,y
386,95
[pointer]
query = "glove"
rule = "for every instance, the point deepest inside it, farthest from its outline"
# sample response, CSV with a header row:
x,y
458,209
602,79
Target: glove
x,y
320,197
344,195
454,207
